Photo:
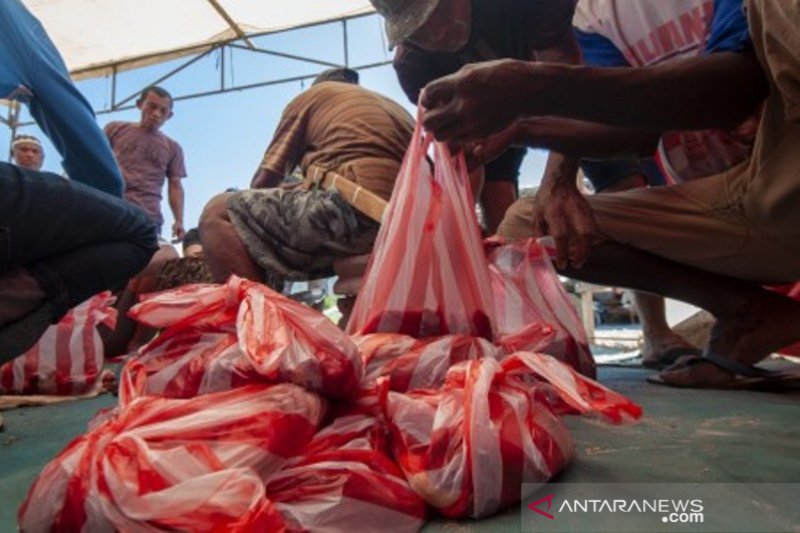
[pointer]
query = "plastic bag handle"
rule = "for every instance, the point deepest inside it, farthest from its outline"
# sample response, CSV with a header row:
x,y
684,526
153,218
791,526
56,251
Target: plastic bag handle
x,y
443,148
420,133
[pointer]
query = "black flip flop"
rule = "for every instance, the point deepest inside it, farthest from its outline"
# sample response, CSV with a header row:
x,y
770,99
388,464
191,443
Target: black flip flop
x,y
671,355
747,377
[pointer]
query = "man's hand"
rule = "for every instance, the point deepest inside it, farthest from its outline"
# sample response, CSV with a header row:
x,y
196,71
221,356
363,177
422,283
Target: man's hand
x,y
175,197
562,212
483,152
178,232
479,100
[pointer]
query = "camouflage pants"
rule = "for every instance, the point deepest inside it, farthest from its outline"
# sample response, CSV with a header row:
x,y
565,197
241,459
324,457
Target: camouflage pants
x,y
297,234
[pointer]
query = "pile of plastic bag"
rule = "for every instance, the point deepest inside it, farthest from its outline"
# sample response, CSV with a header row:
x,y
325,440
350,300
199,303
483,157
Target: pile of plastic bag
x,y
252,412
217,337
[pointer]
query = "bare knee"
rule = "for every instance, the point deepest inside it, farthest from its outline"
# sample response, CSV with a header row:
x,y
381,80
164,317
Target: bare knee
x,y
223,248
216,208
214,213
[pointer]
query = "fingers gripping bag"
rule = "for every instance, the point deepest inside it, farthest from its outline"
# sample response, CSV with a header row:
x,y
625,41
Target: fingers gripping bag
x,y
177,465
68,358
466,448
427,275
527,292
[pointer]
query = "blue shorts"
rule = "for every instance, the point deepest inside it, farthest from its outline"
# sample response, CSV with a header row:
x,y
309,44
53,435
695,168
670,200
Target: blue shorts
x,y
604,173
506,167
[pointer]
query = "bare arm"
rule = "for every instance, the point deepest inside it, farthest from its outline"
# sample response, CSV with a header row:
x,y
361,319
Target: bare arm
x,y
574,138
561,210
585,139
714,91
175,197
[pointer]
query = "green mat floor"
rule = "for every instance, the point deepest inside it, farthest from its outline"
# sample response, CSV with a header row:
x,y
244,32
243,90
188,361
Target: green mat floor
x,y
686,435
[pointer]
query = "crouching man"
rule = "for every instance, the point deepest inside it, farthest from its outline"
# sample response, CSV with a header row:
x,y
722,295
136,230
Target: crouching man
x,y
275,233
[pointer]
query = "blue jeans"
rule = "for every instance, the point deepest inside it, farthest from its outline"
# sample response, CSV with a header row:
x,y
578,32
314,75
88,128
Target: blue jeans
x,y
29,60
604,173
75,240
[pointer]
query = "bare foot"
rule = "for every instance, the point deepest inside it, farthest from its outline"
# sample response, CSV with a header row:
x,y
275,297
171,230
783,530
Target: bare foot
x,y
689,371
769,322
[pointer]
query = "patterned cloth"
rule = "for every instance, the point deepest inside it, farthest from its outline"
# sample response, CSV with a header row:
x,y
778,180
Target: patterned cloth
x,y
183,271
297,234
616,33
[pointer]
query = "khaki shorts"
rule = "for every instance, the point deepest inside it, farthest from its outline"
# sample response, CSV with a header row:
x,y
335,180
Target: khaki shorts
x,y
700,223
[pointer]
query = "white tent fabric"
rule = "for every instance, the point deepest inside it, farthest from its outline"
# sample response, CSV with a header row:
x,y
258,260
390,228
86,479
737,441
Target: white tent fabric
x,y
94,36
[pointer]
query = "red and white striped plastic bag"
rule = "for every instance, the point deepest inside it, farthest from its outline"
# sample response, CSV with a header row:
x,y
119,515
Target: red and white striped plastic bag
x,y
411,363
186,363
177,465
467,448
527,293
226,336
198,352
204,306
345,480
295,343
574,393
427,275
418,363
68,359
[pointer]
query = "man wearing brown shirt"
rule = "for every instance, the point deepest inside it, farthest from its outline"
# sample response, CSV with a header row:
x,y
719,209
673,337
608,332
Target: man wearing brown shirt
x,y
282,234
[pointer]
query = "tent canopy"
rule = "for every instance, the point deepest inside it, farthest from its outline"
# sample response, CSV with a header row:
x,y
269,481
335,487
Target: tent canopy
x,y
101,37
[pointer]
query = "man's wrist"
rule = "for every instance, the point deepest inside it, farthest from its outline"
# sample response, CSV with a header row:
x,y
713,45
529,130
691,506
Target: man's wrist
x,y
543,86
527,132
